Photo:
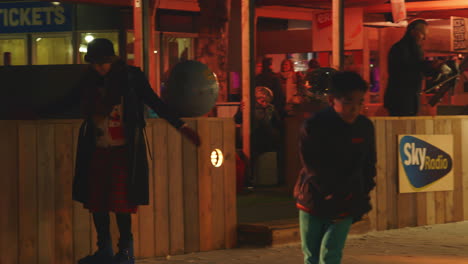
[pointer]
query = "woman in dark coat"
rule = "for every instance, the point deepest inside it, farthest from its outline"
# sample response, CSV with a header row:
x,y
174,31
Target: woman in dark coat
x,y
111,171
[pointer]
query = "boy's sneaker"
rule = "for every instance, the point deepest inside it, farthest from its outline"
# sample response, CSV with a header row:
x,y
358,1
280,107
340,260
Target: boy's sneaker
x,y
124,257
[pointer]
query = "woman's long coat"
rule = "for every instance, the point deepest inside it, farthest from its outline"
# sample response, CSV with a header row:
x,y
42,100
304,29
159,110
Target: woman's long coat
x,y
137,94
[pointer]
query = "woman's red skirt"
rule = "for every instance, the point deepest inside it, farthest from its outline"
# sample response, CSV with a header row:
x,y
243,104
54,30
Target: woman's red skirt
x,y
108,181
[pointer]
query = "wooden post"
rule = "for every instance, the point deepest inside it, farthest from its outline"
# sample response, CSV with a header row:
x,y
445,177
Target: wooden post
x,y
338,34
138,32
247,10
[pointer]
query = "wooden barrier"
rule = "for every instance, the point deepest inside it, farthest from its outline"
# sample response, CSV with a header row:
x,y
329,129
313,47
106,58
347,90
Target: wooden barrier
x,y
192,203
395,210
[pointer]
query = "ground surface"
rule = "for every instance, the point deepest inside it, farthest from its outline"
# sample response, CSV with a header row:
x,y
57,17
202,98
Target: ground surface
x,y
438,244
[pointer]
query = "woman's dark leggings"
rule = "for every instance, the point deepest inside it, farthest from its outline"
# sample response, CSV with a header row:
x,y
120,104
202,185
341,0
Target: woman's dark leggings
x,y
102,224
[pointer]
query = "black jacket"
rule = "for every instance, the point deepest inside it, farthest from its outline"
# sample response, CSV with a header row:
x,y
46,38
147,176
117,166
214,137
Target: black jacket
x,y
406,68
339,159
137,93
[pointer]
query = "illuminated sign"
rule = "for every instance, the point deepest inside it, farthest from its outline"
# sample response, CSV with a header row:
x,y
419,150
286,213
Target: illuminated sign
x,y
217,158
425,163
20,17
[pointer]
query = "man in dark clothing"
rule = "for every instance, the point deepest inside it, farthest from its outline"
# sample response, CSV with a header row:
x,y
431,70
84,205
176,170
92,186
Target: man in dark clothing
x,y
406,68
337,149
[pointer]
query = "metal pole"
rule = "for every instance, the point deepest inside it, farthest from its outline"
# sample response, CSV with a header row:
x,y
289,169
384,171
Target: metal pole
x,y
247,26
146,35
338,34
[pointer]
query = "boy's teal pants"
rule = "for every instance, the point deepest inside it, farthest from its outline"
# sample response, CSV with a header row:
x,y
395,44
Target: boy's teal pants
x,y
322,239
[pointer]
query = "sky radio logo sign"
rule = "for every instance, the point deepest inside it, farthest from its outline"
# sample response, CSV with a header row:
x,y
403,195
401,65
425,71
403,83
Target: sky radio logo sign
x,y
424,164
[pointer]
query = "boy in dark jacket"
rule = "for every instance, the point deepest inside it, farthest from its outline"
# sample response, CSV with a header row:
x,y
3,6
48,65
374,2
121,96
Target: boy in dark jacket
x,y
337,148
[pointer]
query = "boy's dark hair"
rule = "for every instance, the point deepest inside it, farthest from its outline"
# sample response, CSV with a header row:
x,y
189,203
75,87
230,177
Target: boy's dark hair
x,y
343,83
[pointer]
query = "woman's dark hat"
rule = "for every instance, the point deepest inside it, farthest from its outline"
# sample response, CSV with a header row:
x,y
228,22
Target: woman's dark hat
x,y
100,50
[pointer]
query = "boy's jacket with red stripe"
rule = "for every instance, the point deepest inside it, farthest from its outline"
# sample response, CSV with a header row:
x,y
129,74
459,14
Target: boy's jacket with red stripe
x,y
338,160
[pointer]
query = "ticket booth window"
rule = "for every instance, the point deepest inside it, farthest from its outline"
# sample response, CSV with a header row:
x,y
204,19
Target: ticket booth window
x,y
87,37
16,47
52,49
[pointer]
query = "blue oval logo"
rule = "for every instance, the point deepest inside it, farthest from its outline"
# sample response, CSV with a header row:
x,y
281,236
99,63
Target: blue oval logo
x,y
423,163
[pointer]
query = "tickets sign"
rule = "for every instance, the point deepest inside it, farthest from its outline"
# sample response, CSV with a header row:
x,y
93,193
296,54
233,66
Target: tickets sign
x,y
21,17
425,163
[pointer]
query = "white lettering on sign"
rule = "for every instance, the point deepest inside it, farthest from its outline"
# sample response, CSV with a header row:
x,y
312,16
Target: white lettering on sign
x,y
24,17
59,15
35,16
415,156
12,17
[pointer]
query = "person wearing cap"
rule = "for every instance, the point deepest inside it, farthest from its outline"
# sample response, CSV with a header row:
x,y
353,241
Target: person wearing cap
x,y
111,172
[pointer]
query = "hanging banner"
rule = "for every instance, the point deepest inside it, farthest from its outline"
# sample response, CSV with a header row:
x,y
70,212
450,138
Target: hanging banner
x,y
398,10
425,163
354,30
24,17
459,34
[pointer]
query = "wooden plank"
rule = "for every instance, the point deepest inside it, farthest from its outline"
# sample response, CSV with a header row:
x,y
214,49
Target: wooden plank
x,y
430,196
161,188
146,213
392,127
421,197
464,162
372,215
217,191
230,194
46,195
381,188
190,171
439,128
176,190
449,196
457,170
204,187
27,192
81,216
404,200
63,198
9,192
136,234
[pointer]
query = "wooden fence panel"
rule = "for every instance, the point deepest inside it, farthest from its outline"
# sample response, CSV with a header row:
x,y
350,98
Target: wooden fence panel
x,y
81,217
161,185
406,201
421,198
391,179
146,212
230,199
9,192
381,178
27,193
191,203
464,170
457,170
46,194
204,187
176,191
217,187
63,198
